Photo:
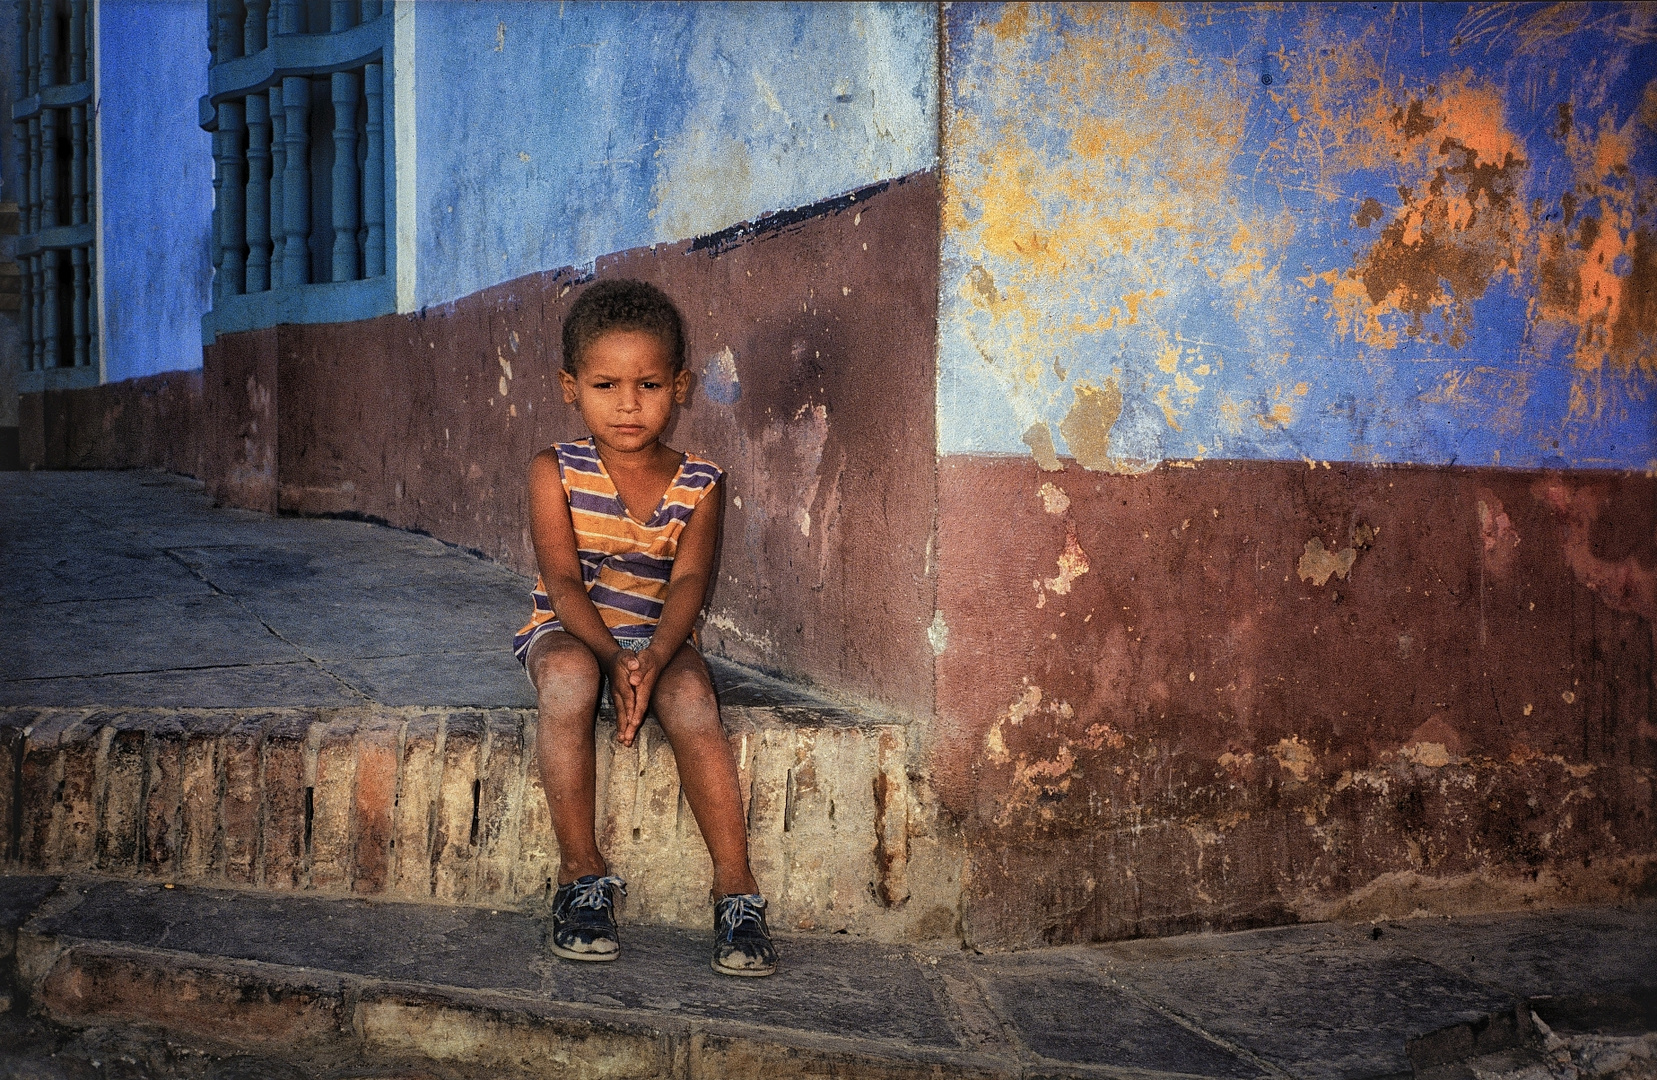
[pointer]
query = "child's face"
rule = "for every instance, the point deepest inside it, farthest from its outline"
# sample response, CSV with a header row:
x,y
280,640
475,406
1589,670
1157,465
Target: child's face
x,y
625,389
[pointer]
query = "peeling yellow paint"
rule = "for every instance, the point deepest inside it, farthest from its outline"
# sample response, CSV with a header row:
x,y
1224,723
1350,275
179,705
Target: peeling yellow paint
x,y
1040,441
1295,757
1086,428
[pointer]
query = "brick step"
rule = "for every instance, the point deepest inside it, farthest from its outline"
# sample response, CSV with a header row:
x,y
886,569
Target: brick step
x,y
446,804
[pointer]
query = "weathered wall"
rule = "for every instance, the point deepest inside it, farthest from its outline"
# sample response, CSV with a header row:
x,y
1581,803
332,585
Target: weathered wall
x,y
156,422
1416,235
1255,692
1177,691
549,135
812,343
155,172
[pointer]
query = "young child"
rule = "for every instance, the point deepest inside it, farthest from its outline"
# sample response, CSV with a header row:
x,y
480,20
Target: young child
x,y
625,529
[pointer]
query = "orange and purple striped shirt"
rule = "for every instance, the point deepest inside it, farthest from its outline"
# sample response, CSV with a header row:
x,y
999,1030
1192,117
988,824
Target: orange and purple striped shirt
x,y
625,563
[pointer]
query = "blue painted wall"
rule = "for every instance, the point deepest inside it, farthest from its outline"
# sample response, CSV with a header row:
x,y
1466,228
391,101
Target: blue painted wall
x,y
551,134
156,172
1407,233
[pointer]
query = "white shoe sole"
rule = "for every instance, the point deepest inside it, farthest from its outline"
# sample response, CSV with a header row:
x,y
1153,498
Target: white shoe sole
x,y
586,957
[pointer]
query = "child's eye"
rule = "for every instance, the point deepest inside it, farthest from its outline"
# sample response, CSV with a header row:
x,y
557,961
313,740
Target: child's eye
x,y
604,386
652,386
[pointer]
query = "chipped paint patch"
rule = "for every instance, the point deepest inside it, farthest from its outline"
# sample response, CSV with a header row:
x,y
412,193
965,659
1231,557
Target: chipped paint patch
x,y
937,634
1072,564
720,381
1295,758
1317,563
1040,441
1053,498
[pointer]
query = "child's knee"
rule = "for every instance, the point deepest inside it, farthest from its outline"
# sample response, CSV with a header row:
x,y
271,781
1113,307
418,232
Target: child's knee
x,y
685,692
562,671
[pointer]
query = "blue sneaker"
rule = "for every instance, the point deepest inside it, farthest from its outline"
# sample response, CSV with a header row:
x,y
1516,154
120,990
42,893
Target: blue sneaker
x,y
584,918
741,940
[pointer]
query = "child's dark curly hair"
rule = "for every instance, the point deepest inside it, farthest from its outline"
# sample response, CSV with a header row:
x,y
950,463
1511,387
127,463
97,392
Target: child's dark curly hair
x,y
622,305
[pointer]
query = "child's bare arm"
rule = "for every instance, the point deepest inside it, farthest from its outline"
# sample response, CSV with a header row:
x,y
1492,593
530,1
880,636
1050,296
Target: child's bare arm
x,y
553,534
687,591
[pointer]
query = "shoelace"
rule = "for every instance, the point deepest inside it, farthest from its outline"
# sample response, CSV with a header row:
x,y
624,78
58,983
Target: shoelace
x,y
741,909
593,894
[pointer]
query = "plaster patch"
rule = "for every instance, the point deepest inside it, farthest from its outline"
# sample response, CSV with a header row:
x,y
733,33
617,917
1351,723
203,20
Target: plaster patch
x,y
1295,757
937,634
1072,563
1053,499
1040,441
1086,427
995,747
1317,563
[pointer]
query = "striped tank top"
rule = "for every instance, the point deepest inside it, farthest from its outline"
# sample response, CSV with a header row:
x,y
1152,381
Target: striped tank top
x,y
625,563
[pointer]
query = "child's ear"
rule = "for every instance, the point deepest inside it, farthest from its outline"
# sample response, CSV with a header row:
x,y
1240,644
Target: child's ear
x,y
681,386
567,380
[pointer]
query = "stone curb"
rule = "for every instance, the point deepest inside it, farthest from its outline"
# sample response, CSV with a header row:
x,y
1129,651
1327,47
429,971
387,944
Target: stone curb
x,y
237,1006
445,804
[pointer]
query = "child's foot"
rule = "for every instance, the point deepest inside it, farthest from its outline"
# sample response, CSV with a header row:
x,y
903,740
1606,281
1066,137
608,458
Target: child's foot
x,y
584,918
741,940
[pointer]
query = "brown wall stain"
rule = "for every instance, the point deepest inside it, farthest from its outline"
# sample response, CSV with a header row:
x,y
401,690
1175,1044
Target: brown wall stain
x,y
155,422
1193,736
813,350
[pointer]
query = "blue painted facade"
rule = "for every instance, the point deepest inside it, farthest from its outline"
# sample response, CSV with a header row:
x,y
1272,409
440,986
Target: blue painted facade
x,y
156,174
1421,234
551,134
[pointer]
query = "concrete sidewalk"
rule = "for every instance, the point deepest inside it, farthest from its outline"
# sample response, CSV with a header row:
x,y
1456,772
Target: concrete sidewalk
x,y
339,987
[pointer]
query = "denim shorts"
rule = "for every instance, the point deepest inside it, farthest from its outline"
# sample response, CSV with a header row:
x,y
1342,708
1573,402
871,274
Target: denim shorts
x,y
637,644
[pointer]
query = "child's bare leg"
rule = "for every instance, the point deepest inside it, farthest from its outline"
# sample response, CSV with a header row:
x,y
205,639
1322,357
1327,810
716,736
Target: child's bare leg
x,y
566,680
689,713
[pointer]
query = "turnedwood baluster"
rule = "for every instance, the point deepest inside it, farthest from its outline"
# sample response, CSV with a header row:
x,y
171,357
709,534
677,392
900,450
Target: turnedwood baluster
x,y
371,10
31,31
77,165
92,310
346,216
230,30
48,45
255,26
373,181
26,313
258,193
217,243
77,41
233,126
77,314
37,271
290,16
296,181
212,32
53,308
278,166
340,16
35,197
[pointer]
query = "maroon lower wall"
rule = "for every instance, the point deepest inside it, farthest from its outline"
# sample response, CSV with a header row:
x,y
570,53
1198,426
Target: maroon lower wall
x,y
153,422
429,421
1193,732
